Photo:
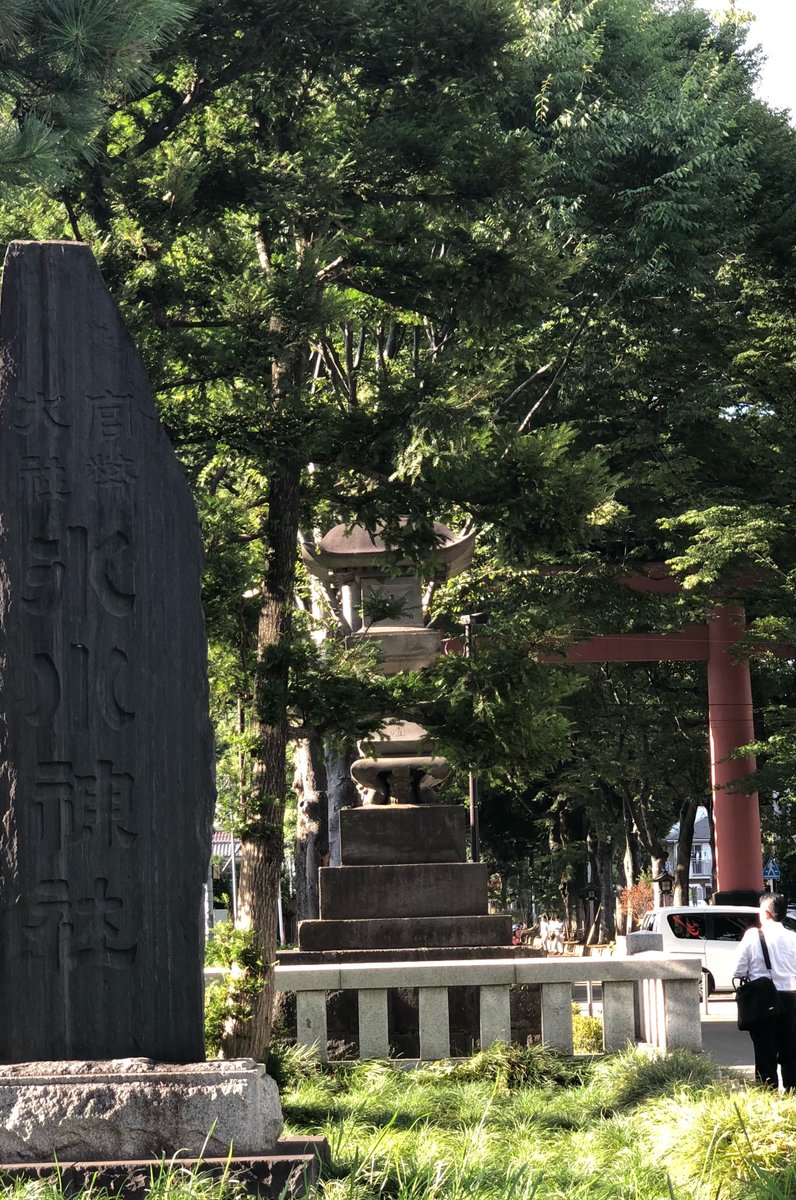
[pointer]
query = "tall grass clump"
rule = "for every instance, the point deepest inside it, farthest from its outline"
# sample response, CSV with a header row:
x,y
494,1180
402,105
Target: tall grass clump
x,y
732,1145
513,1067
626,1080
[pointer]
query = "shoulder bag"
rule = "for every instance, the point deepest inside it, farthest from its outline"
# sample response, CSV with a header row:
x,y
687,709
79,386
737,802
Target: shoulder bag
x,y
758,999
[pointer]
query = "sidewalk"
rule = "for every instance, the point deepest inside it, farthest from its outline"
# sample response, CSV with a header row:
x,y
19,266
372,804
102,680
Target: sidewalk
x,y
721,1037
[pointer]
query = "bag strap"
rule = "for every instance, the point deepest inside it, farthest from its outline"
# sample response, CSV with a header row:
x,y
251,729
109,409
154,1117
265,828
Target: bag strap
x,y
764,947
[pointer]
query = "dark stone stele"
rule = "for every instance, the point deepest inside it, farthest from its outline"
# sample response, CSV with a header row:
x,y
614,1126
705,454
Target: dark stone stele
x,y
106,764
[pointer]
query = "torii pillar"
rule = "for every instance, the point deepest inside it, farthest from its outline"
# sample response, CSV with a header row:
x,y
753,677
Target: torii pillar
x,y
736,814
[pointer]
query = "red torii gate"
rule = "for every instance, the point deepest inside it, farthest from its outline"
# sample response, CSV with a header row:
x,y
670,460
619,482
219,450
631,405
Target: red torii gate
x,y
736,814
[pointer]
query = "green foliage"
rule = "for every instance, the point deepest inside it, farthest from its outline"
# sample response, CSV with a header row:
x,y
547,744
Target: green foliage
x,y
289,1064
61,67
231,1000
741,1145
587,1032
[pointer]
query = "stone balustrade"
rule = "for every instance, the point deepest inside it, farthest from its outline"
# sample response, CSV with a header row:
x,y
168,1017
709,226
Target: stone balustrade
x,y
653,1000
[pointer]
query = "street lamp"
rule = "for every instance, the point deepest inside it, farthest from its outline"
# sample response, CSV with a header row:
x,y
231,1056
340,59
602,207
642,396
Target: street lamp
x,y
470,621
665,883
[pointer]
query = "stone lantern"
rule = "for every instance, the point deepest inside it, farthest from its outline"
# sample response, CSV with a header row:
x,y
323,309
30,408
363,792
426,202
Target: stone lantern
x,y
404,886
365,572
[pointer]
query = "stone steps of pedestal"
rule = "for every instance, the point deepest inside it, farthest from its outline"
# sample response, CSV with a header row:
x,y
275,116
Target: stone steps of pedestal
x,y
397,933
403,833
403,890
289,1169
296,958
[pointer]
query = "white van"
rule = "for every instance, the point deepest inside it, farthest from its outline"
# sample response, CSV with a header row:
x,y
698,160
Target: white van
x,y
710,931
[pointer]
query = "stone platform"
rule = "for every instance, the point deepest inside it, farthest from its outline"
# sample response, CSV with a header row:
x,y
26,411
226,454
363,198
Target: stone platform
x,y
136,1109
300,958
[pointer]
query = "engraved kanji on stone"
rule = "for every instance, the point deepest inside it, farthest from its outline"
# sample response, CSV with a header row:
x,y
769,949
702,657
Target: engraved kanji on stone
x,y
40,412
109,567
43,478
72,807
110,416
113,473
87,930
43,580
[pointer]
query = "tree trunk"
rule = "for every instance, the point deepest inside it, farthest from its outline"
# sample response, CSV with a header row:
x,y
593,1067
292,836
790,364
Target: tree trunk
x,y
342,793
262,840
658,867
685,841
312,826
605,861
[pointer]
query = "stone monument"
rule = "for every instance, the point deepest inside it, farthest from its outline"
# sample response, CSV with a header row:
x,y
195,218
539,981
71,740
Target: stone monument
x,y
106,759
106,751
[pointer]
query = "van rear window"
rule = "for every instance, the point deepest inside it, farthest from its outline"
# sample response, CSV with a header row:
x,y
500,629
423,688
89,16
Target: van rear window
x,y
684,925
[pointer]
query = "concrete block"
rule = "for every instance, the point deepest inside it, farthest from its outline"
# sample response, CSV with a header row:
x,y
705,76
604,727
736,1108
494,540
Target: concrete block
x,y
403,833
398,933
642,940
311,1022
435,1037
619,1016
557,1016
495,1015
135,1108
412,890
374,1037
683,1024
635,967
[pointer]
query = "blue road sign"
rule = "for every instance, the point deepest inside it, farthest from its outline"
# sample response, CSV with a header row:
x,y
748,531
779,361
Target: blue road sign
x,y
771,870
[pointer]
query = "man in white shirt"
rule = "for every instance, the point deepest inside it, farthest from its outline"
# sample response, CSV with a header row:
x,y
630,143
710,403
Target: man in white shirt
x,y
775,1040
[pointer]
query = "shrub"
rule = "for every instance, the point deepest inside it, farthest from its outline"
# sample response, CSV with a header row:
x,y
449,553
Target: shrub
x,y
587,1032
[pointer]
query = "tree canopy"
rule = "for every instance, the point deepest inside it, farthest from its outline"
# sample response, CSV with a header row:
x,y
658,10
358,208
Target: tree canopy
x,y
524,268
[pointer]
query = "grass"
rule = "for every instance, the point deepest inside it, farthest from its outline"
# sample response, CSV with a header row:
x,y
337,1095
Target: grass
x,y
516,1124
521,1124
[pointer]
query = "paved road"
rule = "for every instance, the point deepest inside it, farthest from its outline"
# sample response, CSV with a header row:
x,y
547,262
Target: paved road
x,y
721,1037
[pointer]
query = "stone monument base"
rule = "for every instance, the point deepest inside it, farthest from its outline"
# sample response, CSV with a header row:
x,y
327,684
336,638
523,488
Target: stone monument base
x,y
127,1109
288,1171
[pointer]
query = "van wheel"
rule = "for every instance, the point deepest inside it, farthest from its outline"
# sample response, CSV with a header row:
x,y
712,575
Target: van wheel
x,y
706,983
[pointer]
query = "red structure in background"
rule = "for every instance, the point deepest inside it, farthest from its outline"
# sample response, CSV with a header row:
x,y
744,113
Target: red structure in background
x,y
736,814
